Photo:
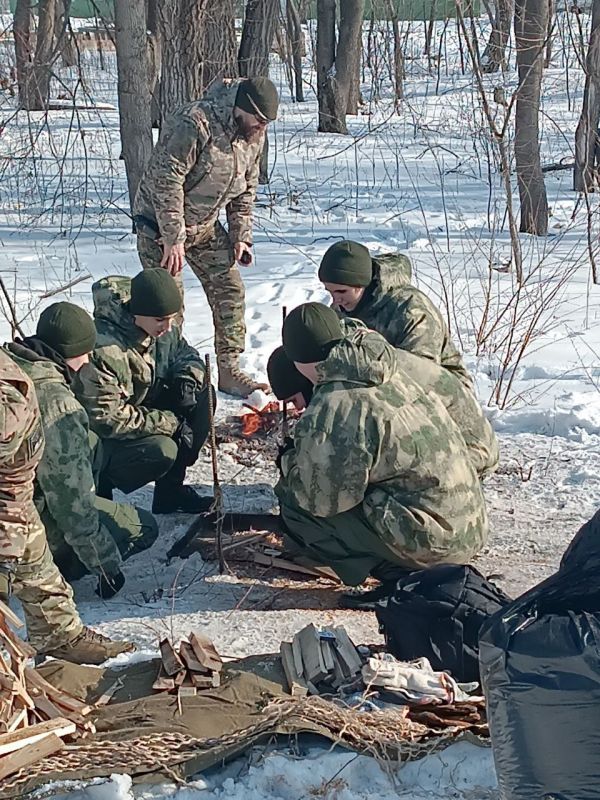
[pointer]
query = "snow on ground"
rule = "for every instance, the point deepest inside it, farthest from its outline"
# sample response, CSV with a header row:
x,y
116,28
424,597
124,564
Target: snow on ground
x,y
425,181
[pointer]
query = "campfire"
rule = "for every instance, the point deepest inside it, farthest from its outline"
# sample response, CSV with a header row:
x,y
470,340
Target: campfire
x,y
261,420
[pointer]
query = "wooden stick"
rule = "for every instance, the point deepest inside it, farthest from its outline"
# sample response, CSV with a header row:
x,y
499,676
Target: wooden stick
x,y
106,696
9,742
10,615
66,286
30,754
218,494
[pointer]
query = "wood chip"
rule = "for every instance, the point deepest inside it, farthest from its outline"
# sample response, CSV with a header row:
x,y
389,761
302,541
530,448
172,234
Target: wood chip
x,y
30,754
172,664
296,683
205,652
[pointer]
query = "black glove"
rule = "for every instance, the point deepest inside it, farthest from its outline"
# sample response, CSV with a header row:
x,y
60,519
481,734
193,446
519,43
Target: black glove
x,y
288,444
184,436
109,586
184,396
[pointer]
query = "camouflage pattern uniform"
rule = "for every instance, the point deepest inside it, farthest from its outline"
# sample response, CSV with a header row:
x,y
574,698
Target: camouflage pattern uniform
x,y
199,166
85,533
127,373
407,318
379,473
52,619
460,403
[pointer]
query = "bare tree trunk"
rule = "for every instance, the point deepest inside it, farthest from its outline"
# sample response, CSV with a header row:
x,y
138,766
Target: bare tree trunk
x,y
398,52
253,57
154,60
531,25
133,89
219,47
297,46
182,33
550,33
23,51
64,39
333,85
354,96
45,56
586,136
494,55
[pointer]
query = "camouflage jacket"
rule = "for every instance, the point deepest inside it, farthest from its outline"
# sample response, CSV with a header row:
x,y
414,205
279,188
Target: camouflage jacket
x,y
460,403
21,447
64,485
372,437
128,367
407,318
199,166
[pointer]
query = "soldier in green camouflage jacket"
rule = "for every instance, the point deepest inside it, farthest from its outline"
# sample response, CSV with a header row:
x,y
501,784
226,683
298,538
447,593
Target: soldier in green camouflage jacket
x,y
460,403
207,159
379,476
26,565
378,292
144,392
85,533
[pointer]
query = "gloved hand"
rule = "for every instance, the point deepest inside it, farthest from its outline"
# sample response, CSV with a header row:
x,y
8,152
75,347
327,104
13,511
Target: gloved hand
x,y
7,572
184,436
109,586
288,444
184,396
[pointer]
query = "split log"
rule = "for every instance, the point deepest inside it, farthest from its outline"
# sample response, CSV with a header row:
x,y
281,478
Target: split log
x,y
172,664
9,742
205,652
30,754
312,657
347,652
188,656
296,683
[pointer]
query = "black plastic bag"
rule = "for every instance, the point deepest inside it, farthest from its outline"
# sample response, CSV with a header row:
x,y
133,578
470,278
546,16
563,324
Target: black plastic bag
x,y
437,613
540,669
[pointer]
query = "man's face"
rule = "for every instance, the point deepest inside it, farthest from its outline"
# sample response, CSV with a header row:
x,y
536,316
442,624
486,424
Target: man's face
x,y
345,297
297,400
249,126
78,362
154,326
308,370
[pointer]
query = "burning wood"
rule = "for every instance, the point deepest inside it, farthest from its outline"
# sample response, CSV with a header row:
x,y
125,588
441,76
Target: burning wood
x,y
263,419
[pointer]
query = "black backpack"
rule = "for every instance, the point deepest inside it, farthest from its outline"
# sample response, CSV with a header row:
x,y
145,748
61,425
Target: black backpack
x,y
437,613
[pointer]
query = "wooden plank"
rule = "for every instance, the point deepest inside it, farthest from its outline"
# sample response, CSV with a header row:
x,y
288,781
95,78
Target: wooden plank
x,y
327,653
187,655
15,645
179,678
297,652
205,652
296,684
201,681
163,684
47,707
30,754
107,696
10,615
347,652
172,664
186,691
17,719
34,679
312,658
9,742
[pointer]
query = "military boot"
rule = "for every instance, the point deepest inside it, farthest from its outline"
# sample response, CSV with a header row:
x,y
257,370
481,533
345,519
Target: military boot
x,y
232,380
90,647
171,499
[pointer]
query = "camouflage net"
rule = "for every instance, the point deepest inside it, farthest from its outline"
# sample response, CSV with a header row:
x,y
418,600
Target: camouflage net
x,y
385,735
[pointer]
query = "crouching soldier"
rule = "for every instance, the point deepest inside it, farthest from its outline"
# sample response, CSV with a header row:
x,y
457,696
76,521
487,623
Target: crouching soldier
x,y
144,391
378,292
287,384
379,477
87,534
53,624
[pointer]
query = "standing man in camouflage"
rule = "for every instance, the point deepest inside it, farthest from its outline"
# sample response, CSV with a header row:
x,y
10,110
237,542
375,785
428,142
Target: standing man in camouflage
x,y
144,392
378,292
26,566
207,159
378,478
86,533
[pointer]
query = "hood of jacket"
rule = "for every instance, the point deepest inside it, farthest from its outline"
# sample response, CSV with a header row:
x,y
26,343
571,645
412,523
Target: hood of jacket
x,y
111,311
41,368
362,358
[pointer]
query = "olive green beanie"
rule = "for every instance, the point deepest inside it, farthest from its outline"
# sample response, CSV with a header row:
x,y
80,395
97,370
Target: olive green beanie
x,y
309,331
154,293
258,96
284,378
347,263
68,329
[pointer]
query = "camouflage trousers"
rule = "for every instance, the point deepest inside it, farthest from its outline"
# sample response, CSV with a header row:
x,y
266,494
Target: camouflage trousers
x,y
346,542
211,258
47,599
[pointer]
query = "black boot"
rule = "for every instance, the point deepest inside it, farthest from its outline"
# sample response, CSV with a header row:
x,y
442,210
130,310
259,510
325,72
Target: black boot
x,y
170,498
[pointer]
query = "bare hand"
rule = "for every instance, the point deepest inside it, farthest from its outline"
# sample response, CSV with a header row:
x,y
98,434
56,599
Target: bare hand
x,y
242,253
173,257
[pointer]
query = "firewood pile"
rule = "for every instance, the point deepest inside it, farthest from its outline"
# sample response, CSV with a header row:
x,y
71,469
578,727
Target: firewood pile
x,y
35,717
320,661
194,665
